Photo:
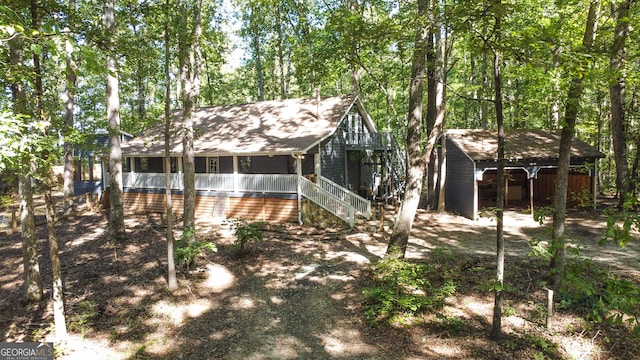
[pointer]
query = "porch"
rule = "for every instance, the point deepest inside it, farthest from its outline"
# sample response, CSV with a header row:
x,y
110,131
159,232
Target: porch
x,y
327,194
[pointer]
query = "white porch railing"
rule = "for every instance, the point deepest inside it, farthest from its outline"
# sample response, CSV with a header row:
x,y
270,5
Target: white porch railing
x,y
362,205
328,201
329,195
274,183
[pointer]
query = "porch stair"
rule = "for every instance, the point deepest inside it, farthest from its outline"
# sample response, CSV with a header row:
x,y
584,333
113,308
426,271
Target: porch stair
x,y
336,199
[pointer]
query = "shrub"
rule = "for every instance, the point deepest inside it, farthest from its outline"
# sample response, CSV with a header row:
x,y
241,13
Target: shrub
x,y
188,247
400,289
246,232
600,295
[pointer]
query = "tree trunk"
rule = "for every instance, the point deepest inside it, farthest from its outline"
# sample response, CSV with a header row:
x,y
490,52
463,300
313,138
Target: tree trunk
x,y
572,107
416,164
56,268
496,329
32,284
190,88
428,183
440,76
31,269
116,214
69,98
617,98
172,282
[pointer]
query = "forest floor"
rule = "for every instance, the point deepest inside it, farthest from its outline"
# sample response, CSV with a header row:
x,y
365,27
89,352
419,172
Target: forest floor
x,y
298,293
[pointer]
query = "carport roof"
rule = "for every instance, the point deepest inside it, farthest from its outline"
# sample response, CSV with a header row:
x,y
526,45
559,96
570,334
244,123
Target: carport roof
x,y
482,145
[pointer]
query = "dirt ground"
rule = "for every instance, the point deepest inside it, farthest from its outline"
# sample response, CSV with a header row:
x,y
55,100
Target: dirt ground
x,y
298,293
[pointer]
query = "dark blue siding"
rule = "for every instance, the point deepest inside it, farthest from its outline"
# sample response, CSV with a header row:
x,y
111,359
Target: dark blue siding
x,y
460,189
333,157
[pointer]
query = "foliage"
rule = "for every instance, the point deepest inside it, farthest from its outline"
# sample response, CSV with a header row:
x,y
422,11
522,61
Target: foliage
x,y
400,290
583,198
188,247
621,224
600,295
246,232
82,314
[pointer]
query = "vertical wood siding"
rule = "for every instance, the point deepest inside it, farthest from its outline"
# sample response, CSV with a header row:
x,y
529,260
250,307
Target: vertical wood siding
x,y
460,190
333,154
544,185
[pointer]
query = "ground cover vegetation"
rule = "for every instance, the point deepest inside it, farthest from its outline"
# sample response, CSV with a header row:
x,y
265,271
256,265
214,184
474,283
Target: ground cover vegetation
x,y
419,67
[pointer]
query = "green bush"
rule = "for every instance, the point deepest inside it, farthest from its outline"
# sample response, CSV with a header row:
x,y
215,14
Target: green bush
x,y
600,295
188,247
400,289
246,232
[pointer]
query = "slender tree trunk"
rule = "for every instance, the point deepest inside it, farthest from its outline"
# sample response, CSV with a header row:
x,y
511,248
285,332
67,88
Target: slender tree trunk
x,y
56,268
257,53
32,284
116,213
428,183
437,199
31,270
484,106
572,107
496,329
281,61
172,282
617,97
191,88
50,212
69,98
416,164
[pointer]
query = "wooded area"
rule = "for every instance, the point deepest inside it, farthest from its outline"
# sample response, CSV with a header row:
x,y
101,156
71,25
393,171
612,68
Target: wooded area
x,y
75,68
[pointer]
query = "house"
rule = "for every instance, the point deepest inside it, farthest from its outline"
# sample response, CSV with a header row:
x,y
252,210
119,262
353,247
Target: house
x,y
261,160
532,161
90,171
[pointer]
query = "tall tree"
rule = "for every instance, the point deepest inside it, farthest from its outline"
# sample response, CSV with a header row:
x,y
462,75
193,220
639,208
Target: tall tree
x,y
399,239
31,268
69,98
46,179
572,107
116,213
189,53
171,266
620,12
496,329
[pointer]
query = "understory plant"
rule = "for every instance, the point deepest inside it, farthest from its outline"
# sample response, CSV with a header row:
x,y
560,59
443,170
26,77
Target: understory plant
x,y
188,247
400,290
600,295
246,232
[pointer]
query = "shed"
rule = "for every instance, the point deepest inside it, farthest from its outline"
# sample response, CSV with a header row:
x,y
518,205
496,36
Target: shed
x,y
532,161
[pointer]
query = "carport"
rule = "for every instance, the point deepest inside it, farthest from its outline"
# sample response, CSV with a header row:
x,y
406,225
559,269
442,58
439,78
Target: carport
x,y
532,161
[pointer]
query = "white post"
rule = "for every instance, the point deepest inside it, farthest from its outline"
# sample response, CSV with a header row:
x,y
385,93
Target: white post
x,y
235,173
298,158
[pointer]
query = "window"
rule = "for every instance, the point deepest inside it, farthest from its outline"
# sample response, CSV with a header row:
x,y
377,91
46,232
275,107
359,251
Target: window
x,y
214,167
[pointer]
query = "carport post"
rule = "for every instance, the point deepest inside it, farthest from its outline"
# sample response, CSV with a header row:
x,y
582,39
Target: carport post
x,y
533,215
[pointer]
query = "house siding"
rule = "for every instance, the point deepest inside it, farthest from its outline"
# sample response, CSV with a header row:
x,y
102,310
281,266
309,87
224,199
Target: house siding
x,y
333,157
460,190
211,204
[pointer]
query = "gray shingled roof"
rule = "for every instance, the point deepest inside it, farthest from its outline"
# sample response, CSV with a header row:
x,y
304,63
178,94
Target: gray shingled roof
x,y
267,127
482,145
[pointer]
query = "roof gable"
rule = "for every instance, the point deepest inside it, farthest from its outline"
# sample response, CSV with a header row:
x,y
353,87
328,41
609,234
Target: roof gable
x,y
482,145
266,127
